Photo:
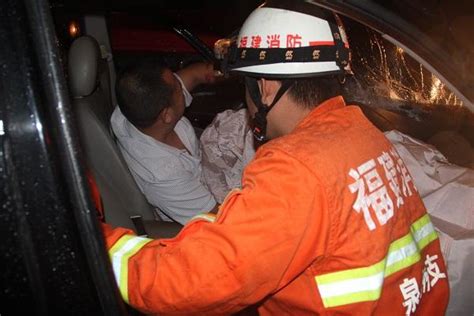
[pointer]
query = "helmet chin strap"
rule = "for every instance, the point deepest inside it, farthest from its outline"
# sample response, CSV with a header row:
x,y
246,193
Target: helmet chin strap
x,y
260,119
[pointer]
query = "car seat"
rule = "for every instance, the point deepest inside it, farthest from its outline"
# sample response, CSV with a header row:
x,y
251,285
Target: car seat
x,y
124,203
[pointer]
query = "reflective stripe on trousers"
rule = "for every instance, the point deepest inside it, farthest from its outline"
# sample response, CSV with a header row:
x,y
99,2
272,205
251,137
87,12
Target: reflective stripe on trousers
x,y
365,284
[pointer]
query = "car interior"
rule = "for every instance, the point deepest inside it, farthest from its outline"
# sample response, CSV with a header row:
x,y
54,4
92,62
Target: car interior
x,y
94,48
411,71
99,45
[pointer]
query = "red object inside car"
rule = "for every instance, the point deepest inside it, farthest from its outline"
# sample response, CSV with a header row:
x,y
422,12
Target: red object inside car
x,y
140,34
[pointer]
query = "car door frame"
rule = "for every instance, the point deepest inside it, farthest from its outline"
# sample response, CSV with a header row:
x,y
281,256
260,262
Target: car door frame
x,y
55,259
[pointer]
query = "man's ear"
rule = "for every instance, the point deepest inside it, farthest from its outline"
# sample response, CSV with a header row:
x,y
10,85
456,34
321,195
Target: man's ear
x,y
166,115
268,89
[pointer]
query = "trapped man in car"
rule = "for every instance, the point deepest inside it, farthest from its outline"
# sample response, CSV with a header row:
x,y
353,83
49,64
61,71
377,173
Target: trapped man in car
x,y
328,220
158,143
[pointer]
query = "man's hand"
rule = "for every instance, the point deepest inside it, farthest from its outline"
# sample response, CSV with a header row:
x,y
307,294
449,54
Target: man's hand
x,y
196,74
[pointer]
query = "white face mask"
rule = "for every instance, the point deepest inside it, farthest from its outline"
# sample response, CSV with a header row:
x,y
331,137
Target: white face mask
x,y
188,98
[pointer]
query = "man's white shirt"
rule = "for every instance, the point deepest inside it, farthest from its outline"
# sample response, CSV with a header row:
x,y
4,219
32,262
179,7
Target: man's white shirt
x,y
170,178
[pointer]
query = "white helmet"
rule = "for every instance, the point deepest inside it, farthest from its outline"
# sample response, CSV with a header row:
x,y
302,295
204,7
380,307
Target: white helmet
x,y
283,43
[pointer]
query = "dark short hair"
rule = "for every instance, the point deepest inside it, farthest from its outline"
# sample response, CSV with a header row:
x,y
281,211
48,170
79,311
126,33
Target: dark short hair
x,y
142,93
310,92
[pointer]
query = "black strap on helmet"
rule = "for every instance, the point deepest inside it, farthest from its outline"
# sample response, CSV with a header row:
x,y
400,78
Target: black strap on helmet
x,y
342,52
260,119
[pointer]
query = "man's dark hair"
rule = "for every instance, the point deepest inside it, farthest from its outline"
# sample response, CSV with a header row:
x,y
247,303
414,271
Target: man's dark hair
x,y
310,92
142,93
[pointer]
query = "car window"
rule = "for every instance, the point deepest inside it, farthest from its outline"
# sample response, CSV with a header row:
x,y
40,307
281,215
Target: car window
x,y
397,92
436,33
447,24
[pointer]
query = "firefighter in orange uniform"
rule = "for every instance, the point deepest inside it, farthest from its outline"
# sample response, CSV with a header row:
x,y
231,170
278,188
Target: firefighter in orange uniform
x,y
328,220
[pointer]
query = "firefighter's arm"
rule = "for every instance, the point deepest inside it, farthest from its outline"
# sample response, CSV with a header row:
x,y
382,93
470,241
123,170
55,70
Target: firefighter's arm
x,y
263,237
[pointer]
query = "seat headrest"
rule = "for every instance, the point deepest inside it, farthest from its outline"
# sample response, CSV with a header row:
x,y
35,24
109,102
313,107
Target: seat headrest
x,y
83,61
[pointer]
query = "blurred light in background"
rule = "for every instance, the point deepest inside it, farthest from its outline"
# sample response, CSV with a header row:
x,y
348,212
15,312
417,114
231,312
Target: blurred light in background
x,y
74,29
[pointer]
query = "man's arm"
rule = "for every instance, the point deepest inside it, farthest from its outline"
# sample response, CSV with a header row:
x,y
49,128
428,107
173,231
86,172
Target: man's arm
x,y
196,74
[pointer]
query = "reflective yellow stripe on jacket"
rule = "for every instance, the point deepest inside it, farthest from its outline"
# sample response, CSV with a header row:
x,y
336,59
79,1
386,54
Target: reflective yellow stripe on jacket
x,y
123,249
365,284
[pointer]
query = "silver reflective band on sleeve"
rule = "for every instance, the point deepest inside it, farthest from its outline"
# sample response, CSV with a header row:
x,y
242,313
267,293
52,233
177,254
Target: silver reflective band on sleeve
x,y
122,250
365,284
423,231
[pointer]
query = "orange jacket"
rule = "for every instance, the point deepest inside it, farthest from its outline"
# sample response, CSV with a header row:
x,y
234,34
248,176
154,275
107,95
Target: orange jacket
x,y
328,222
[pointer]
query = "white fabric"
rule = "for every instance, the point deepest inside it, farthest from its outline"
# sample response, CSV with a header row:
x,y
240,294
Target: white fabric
x,y
448,193
169,178
228,147
188,98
